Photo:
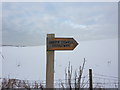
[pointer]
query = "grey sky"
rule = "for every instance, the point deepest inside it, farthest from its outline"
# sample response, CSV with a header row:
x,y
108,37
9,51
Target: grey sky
x,y
28,23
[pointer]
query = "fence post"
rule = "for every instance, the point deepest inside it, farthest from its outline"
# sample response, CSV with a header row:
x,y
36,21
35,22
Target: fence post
x,y
90,79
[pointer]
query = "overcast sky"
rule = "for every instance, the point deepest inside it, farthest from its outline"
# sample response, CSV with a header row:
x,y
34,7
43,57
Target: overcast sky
x,y
28,23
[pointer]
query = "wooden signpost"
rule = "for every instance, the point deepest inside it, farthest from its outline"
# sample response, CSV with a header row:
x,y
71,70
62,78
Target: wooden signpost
x,y
55,44
61,43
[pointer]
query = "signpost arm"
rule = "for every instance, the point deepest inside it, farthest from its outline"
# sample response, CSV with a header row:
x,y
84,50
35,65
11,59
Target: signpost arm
x,y
49,64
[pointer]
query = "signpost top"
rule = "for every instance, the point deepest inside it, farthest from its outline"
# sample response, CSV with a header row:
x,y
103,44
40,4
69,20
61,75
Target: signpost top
x,y
61,43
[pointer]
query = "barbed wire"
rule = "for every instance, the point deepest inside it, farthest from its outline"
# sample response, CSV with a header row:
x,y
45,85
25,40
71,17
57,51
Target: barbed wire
x,y
105,75
86,76
105,78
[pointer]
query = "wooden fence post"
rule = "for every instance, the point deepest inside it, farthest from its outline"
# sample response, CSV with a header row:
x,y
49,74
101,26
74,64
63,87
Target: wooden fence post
x,y
90,79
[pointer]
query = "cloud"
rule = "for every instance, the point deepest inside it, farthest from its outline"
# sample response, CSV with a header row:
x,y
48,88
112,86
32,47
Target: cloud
x,y
74,25
28,23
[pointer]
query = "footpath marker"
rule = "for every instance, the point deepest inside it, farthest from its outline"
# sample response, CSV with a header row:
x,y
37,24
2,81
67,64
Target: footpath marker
x,y
55,44
61,43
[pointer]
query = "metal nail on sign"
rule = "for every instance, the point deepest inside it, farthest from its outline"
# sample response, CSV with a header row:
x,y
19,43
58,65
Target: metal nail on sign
x,y
61,43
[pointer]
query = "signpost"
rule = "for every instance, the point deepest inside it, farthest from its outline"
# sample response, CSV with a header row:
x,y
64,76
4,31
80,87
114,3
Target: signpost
x,y
61,43
55,44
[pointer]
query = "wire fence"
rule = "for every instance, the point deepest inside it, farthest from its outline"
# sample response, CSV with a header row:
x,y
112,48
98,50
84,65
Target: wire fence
x,y
105,81
99,81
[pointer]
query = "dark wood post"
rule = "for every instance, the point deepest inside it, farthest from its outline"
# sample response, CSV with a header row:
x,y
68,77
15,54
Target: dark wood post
x,y
90,79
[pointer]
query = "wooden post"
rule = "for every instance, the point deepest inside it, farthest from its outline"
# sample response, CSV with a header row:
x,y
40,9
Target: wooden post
x,y
49,65
90,79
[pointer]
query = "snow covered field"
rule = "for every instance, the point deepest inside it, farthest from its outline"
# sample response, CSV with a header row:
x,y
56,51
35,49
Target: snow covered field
x,y
30,62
